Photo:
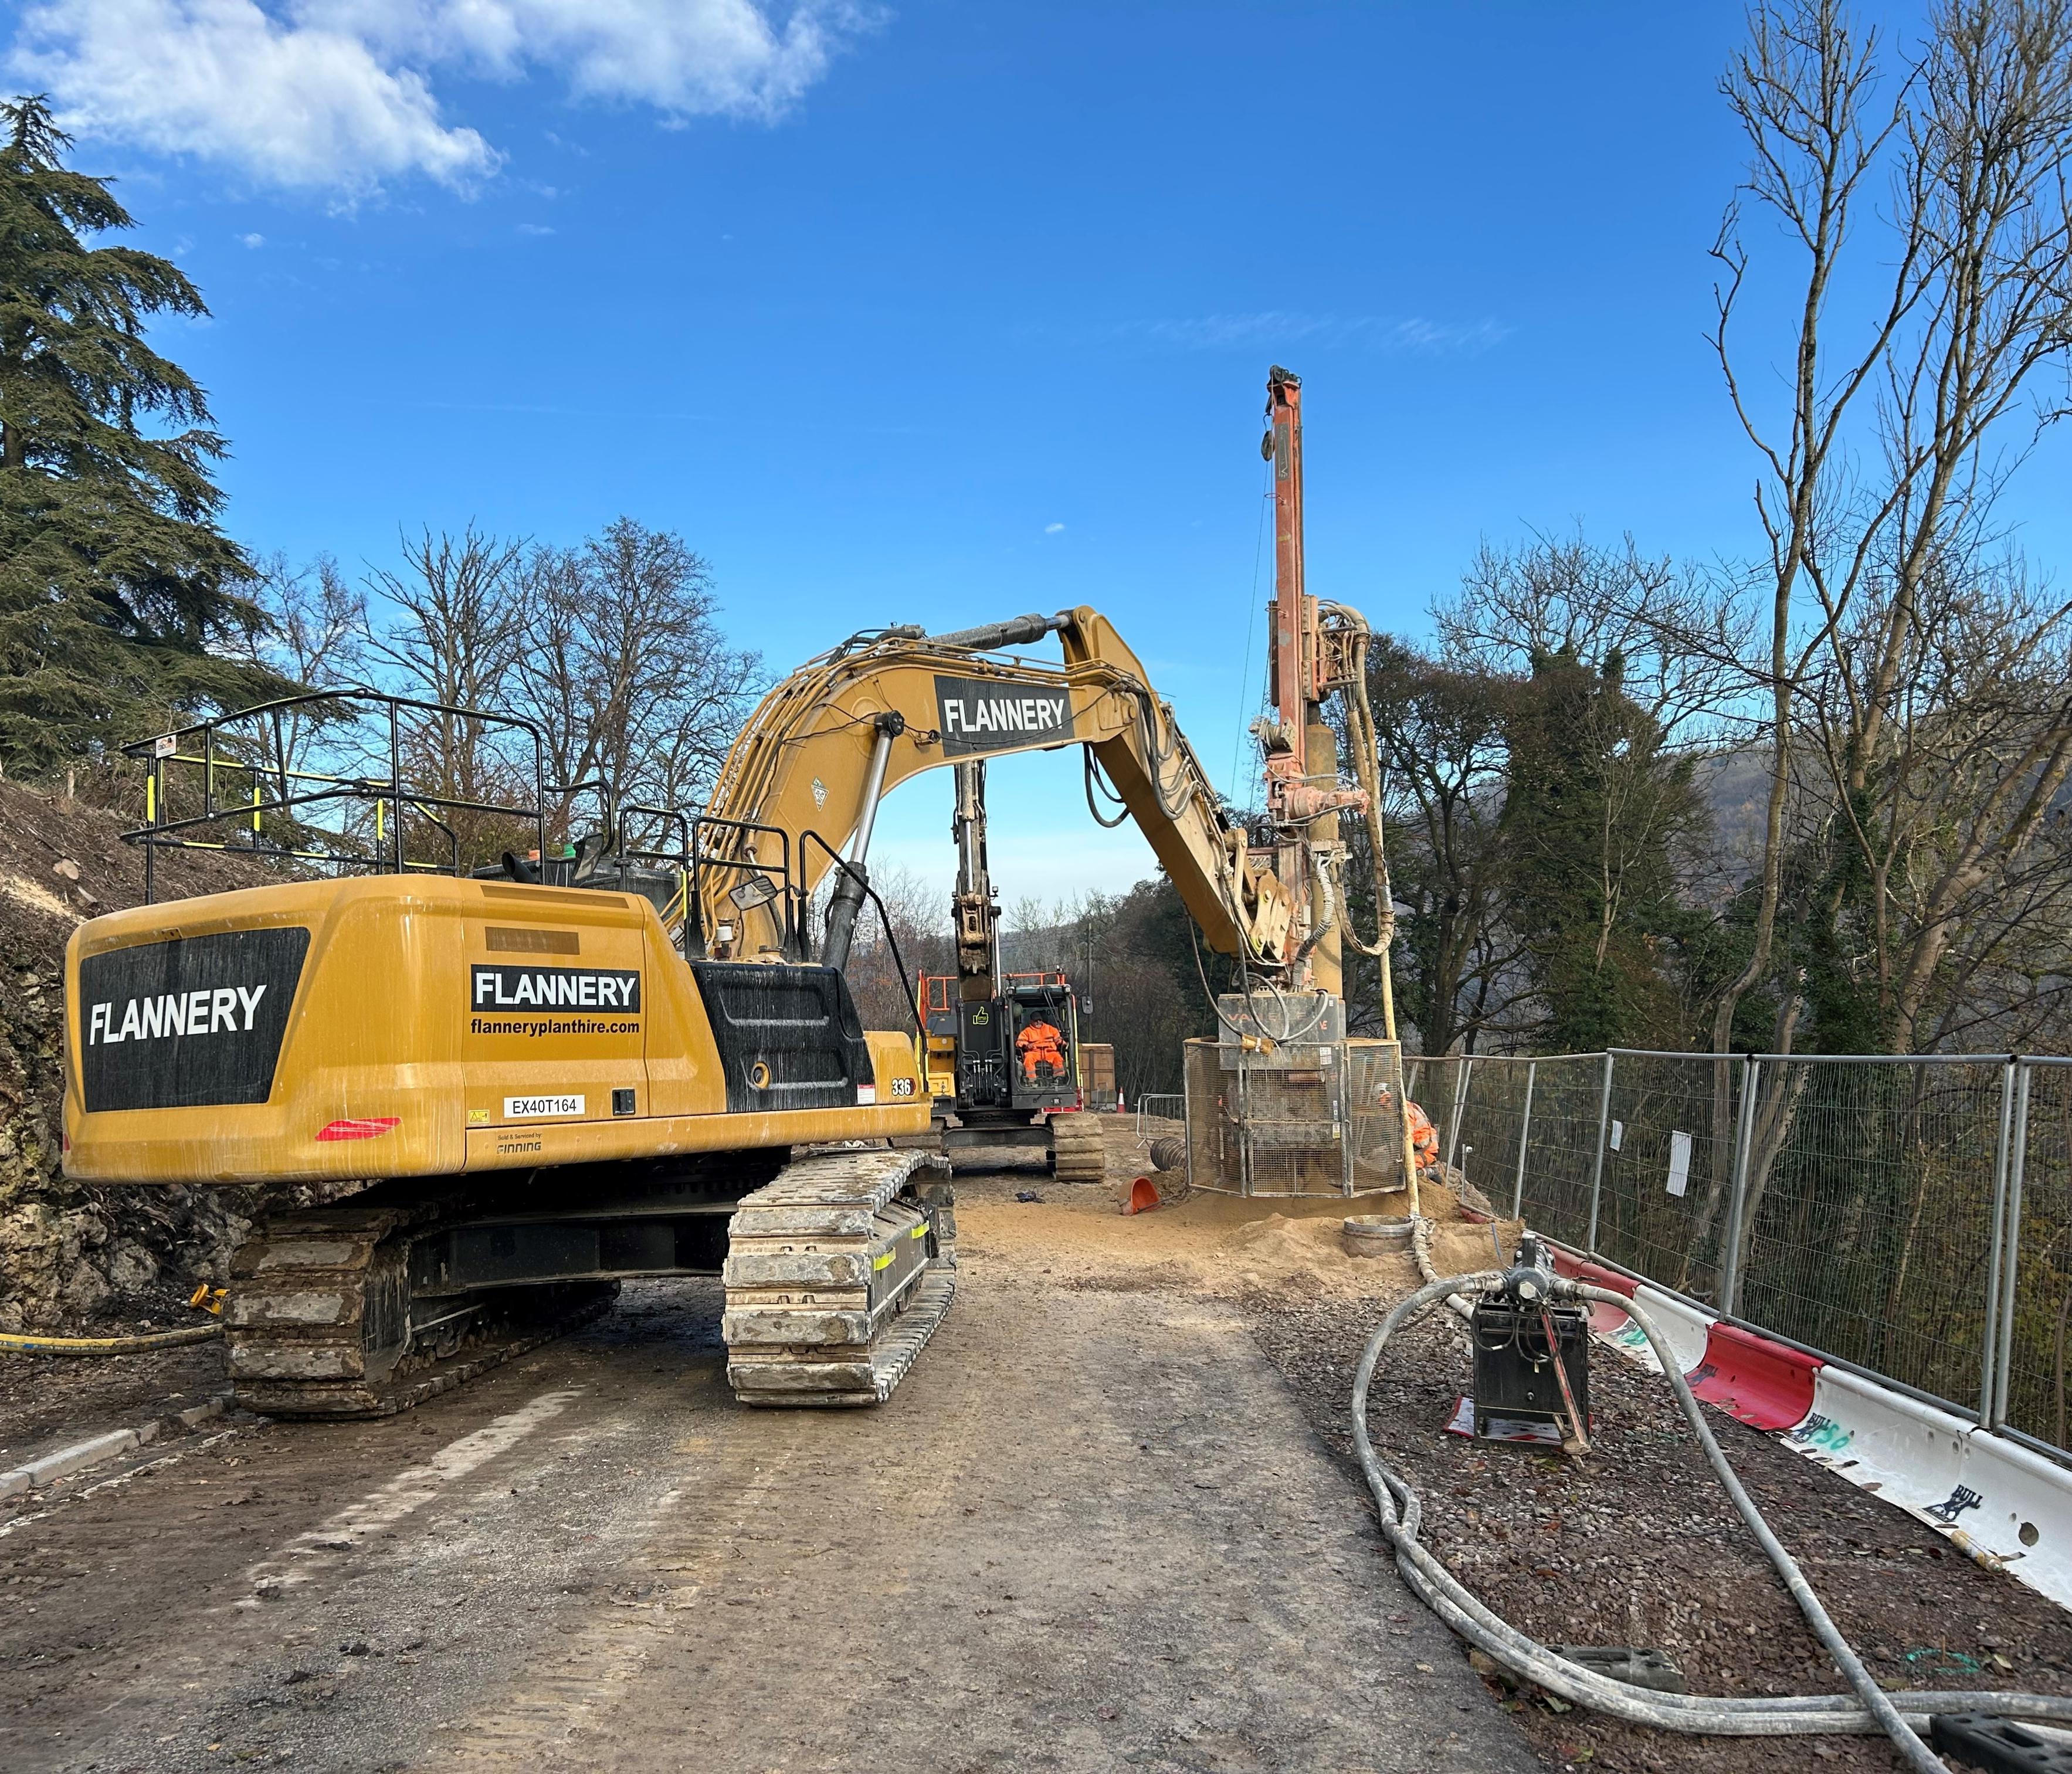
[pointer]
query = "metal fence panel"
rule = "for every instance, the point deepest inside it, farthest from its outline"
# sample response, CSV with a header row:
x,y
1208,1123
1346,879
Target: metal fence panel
x,y
2038,1348
1479,1108
1668,1168
1485,1138
1910,1217
1868,1224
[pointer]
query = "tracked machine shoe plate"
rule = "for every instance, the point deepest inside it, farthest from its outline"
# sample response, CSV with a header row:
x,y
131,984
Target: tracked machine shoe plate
x,y
320,1321
1078,1150
837,1273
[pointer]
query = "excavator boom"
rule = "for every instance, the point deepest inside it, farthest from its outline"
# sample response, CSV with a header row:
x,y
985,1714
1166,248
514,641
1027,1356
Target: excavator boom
x,y
828,743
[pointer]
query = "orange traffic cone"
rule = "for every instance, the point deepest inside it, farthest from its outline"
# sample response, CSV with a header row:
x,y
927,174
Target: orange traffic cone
x,y
1142,1196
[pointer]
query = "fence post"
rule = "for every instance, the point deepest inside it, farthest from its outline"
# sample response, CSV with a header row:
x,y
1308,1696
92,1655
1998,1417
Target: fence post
x,y
1524,1134
1597,1171
1459,1108
1187,1113
2010,1273
1988,1360
1730,1262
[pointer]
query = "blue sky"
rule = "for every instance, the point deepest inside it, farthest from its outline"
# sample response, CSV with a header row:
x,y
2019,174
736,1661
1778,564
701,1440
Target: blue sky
x,y
946,312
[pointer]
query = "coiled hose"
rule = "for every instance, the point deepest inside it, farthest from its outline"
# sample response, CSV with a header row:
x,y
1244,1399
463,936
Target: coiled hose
x,y
106,1346
1868,1709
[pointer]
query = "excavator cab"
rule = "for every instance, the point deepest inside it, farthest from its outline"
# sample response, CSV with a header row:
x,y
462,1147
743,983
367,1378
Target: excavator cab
x,y
1020,1051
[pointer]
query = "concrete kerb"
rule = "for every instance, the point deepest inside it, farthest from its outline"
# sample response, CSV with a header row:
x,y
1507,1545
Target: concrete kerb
x,y
65,1461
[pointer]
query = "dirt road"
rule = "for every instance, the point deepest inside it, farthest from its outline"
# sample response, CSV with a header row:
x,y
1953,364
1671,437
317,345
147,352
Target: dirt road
x,y
1092,1531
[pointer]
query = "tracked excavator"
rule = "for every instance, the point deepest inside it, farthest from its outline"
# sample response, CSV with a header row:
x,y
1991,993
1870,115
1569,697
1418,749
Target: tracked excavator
x,y
1001,1051
509,1087
531,1081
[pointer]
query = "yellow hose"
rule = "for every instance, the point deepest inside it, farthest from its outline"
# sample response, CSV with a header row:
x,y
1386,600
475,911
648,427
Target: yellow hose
x,y
106,1346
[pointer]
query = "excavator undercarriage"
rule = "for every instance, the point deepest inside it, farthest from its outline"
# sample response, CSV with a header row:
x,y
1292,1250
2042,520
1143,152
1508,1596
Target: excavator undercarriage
x,y
837,1267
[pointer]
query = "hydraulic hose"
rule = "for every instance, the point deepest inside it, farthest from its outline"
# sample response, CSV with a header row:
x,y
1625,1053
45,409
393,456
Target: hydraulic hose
x,y
1329,918
107,1345
1869,1709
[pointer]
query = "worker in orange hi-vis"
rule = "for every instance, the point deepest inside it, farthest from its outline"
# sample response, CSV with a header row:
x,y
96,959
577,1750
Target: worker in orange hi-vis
x,y
1423,1136
1040,1044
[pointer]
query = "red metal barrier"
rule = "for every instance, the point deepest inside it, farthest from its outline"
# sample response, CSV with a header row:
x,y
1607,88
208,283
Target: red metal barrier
x,y
1764,1384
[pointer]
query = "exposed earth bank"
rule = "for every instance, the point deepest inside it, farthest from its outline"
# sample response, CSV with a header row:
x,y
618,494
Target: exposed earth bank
x,y
73,1257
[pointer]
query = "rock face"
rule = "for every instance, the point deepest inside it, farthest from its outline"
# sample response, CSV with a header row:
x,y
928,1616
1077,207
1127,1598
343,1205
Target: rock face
x,y
69,1252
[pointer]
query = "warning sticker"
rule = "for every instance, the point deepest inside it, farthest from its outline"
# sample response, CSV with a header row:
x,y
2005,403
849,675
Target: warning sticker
x,y
536,1108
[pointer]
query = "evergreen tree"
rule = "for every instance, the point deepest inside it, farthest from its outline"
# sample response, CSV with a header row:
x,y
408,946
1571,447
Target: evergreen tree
x,y
1593,821
116,587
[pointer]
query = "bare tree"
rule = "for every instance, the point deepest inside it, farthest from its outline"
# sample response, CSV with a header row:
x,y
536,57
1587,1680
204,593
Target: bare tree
x,y
1806,90
1895,640
1677,645
448,632
623,665
316,639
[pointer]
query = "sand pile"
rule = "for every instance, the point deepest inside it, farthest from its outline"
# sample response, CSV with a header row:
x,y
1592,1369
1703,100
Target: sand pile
x,y
1213,1244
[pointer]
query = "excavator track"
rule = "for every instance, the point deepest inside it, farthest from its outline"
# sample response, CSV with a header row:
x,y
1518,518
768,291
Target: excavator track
x,y
1079,1152
837,1274
320,1322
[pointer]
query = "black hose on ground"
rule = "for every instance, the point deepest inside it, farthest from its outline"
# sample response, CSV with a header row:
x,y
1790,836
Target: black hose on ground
x,y
1401,1511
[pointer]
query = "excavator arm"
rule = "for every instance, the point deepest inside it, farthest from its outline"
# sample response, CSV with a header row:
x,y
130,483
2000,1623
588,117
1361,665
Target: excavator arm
x,y
800,790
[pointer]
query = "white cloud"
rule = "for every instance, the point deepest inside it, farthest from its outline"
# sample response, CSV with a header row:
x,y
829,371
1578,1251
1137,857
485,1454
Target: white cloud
x,y
341,94
1052,529
534,227
254,240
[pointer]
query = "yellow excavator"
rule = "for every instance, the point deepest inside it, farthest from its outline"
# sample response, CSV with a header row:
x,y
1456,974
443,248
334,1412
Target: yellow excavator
x,y
509,1086
555,1073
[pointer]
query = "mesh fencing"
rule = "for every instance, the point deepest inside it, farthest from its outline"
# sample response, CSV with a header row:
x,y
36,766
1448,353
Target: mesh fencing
x,y
1306,1119
1668,1168
2035,1331
1911,1217
1867,1222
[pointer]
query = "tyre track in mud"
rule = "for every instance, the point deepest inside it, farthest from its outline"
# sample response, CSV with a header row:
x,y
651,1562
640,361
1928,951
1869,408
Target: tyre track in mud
x,y
1092,1531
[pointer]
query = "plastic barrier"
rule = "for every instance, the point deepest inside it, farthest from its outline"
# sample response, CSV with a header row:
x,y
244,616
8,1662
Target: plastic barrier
x,y
1910,1453
2024,1515
1686,1328
1995,1500
1605,1321
1767,1385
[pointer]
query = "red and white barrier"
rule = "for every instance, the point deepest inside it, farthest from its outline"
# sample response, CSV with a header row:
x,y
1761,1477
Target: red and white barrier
x,y
2000,1502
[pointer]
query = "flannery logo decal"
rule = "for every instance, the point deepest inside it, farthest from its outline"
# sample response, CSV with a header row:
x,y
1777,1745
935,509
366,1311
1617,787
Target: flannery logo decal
x,y
984,714
543,989
228,1009
187,1022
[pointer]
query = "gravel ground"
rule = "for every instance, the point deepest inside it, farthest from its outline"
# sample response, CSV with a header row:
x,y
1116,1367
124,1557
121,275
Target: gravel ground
x,y
1089,1532
1636,1544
